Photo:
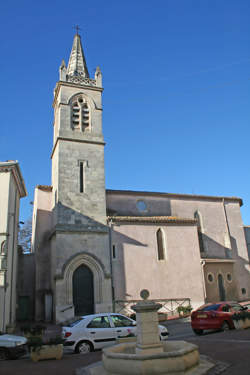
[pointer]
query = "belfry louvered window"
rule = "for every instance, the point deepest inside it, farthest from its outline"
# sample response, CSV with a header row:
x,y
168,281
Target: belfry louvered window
x,y
80,114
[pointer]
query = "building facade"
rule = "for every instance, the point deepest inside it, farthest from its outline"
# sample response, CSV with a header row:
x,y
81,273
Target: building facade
x,y
94,247
12,189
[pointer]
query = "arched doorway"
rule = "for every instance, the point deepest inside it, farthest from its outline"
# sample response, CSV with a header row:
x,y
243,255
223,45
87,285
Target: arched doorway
x,y
222,291
83,291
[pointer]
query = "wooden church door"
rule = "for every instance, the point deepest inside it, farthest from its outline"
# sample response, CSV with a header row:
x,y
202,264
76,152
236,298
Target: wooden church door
x,y
222,292
83,291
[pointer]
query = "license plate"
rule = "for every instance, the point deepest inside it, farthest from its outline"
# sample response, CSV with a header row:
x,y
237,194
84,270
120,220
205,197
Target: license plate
x,y
202,316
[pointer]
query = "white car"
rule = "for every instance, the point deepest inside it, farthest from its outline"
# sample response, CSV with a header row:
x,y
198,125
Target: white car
x,y
12,346
97,331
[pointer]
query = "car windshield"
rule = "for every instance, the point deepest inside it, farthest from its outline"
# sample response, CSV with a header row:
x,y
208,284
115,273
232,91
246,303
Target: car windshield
x,y
75,322
211,307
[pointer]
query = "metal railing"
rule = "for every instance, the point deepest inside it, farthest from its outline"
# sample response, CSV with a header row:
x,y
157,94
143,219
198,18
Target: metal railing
x,y
169,305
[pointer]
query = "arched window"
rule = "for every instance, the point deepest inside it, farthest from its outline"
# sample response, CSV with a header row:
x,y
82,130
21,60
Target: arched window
x,y
3,249
161,248
198,217
80,113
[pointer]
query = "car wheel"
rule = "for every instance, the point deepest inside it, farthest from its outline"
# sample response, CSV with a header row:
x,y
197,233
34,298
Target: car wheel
x,y
84,347
3,354
225,326
198,331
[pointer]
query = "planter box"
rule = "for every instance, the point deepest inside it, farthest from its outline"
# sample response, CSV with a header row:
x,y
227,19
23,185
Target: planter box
x,y
242,324
238,324
247,323
47,352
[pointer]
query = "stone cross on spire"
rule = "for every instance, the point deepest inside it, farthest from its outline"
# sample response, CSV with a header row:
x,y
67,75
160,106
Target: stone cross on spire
x,y
77,64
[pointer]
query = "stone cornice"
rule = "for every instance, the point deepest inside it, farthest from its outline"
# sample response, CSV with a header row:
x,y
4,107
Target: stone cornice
x,y
75,140
13,167
174,195
78,229
70,84
152,219
217,260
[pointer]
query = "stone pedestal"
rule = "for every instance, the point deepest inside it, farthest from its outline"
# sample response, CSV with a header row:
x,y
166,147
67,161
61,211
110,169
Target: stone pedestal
x,y
148,339
149,355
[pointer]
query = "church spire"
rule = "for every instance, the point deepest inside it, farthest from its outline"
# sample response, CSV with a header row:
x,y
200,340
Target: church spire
x,y
77,64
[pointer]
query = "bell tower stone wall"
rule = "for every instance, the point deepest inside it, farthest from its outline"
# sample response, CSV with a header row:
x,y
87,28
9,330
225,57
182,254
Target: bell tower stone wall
x,y
80,235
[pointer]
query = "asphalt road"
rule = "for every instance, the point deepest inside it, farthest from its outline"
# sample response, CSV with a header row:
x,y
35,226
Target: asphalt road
x,y
179,329
229,350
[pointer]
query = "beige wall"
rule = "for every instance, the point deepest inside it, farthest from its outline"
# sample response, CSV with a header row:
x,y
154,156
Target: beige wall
x,y
229,281
11,189
137,267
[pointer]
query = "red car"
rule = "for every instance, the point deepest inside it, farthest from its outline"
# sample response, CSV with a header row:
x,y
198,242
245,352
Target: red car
x,y
215,316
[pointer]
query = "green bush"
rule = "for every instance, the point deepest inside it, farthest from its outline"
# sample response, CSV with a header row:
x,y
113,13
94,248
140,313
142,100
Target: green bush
x,y
184,309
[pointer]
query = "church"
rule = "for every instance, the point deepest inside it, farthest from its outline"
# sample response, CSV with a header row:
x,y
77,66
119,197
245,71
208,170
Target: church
x,y
95,248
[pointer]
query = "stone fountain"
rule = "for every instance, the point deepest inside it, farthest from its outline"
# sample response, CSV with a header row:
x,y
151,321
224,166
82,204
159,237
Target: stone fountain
x,y
148,355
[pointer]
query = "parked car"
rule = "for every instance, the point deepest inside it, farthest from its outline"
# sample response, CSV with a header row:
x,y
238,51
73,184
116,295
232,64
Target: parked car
x,y
12,347
97,331
216,316
245,304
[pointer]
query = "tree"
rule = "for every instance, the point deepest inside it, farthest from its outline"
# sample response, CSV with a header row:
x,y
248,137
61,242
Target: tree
x,y
24,235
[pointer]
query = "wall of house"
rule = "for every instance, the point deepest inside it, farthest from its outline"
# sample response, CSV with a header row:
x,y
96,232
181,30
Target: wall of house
x,y
4,212
41,228
247,237
211,274
26,286
9,203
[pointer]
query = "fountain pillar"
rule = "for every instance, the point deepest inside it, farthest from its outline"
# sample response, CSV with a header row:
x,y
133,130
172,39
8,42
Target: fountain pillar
x,y
148,339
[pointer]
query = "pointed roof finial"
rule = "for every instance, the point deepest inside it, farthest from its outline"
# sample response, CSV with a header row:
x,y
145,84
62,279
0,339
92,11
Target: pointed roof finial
x,y
77,64
77,29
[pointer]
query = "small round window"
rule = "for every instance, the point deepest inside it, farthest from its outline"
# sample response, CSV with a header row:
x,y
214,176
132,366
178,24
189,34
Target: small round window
x,y
229,277
141,206
210,277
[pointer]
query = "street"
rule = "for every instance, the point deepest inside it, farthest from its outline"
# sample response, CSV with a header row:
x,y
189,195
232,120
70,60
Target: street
x,y
229,350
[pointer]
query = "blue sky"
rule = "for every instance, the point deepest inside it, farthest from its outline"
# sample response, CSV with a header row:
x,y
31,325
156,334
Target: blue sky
x,y
176,77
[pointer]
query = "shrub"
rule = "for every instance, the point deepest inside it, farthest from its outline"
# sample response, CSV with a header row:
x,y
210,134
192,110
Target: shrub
x,y
185,310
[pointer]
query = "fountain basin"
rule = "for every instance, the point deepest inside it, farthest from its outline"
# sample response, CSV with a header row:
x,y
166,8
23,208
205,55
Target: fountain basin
x,y
178,357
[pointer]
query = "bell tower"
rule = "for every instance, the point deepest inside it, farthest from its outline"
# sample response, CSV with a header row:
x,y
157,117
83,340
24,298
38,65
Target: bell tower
x,y
80,237
78,147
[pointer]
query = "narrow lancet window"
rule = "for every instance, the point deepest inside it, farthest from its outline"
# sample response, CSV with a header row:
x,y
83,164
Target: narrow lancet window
x,y
81,177
160,244
82,166
114,251
198,217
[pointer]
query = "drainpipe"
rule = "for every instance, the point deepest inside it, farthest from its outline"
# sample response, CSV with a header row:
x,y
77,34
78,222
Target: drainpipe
x,y
203,280
111,264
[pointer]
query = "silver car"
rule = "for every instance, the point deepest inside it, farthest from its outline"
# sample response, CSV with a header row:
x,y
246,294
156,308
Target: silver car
x,y
12,346
97,331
